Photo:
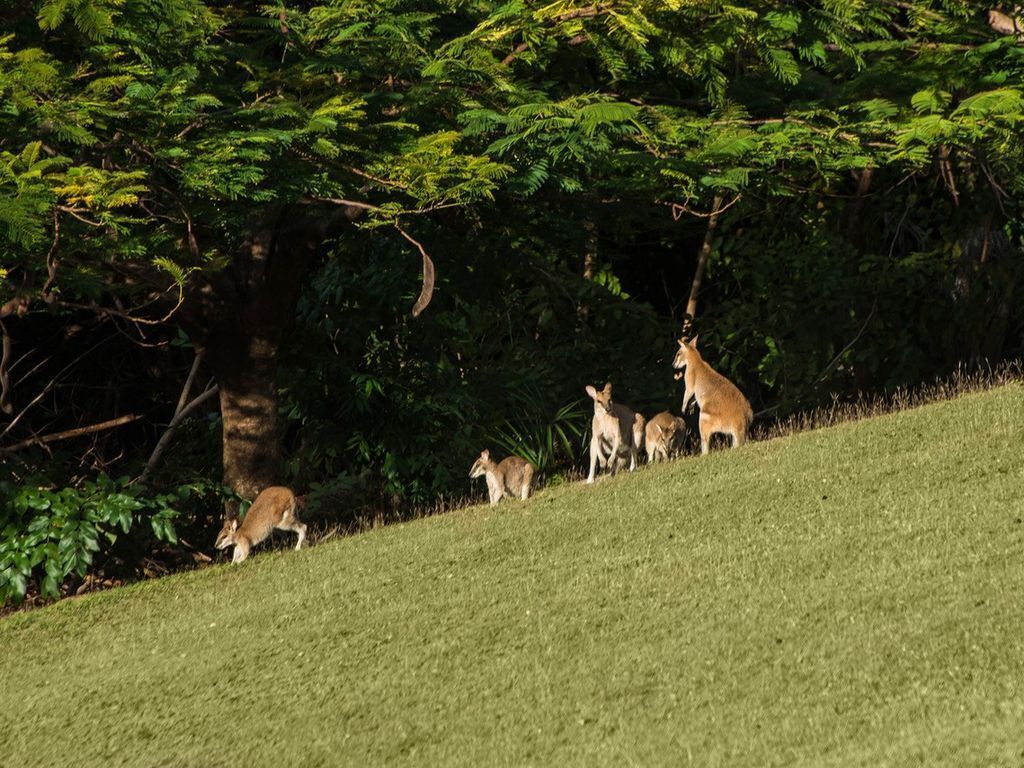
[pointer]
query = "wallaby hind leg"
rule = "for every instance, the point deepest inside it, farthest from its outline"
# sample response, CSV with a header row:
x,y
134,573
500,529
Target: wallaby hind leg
x,y
739,437
594,449
706,431
527,488
289,522
613,458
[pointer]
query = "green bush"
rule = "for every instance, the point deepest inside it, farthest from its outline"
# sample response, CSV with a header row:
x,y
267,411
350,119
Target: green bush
x,y
49,534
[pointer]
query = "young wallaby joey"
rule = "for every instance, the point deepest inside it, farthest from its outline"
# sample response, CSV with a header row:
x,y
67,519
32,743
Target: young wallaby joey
x,y
273,508
664,436
723,408
617,433
512,477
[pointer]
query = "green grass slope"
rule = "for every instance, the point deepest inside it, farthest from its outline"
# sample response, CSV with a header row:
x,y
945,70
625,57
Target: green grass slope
x,y
851,596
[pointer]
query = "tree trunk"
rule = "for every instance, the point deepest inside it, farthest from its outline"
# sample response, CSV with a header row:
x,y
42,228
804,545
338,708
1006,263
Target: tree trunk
x,y
855,222
590,237
240,318
245,366
589,247
702,263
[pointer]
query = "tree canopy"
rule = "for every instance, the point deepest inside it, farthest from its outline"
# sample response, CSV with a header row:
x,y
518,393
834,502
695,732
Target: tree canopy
x,y
262,193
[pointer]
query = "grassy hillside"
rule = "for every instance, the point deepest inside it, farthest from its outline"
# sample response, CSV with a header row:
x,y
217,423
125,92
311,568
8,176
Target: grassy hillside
x,y
851,596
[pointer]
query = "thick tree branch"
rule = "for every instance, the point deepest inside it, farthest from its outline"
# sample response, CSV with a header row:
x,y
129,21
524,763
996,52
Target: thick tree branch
x,y
702,262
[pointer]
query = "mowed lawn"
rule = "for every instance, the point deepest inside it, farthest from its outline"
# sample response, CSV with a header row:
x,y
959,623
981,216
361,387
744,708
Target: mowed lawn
x,y
850,596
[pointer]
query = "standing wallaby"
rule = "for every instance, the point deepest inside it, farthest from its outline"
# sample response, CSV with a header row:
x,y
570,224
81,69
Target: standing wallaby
x,y
513,476
664,435
273,508
723,408
617,433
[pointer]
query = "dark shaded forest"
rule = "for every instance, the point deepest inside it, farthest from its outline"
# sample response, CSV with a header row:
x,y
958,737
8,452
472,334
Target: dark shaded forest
x,y
344,246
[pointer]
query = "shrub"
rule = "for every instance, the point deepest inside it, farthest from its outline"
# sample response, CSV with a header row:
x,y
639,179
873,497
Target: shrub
x,y
49,534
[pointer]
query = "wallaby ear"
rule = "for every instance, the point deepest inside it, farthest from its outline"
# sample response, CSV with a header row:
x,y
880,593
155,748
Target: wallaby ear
x,y
591,391
682,341
485,454
608,388
693,342
234,524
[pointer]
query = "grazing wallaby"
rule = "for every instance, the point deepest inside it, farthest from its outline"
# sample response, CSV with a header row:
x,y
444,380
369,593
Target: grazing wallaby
x,y
617,433
664,434
512,477
723,408
273,508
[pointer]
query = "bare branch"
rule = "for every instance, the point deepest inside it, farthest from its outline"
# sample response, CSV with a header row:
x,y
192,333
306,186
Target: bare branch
x,y
853,341
69,433
187,389
348,203
165,439
51,258
94,307
702,262
5,381
515,54
717,208
52,383
77,214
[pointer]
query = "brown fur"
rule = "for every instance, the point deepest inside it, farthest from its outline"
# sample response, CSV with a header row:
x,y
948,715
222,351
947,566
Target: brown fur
x,y
512,477
664,436
723,408
617,432
273,508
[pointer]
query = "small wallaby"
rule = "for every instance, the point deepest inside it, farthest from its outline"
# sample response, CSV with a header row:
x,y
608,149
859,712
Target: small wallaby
x,y
513,476
273,508
664,435
723,408
617,433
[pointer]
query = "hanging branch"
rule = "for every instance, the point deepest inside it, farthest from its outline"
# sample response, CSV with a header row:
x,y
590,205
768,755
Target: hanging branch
x,y
427,292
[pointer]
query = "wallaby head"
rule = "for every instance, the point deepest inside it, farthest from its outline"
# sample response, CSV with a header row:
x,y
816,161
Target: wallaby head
x,y
686,350
602,399
226,537
479,468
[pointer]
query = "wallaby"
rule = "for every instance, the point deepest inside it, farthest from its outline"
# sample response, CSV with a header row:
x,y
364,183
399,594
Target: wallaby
x,y
617,433
512,477
273,508
664,435
723,408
